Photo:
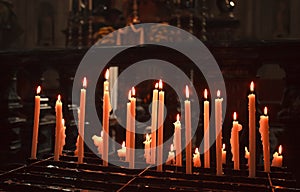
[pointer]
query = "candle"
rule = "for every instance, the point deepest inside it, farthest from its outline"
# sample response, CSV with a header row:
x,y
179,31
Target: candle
x,y
79,5
90,5
132,129
70,5
277,158
105,120
160,125
188,132
122,151
218,119
206,132
177,141
128,117
196,158
98,141
252,128
147,143
234,141
247,155
154,123
62,137
35,133
81,121
58,109
171,156
264,132
223,154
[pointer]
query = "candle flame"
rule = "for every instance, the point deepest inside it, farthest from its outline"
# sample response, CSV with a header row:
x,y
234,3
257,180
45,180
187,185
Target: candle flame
x,y
246,150
123,144
107,74
172,147
187,93
132,91
38,90
205,93
252,86
223,146
63,122
196,150
160,84
218,93
84,82
265,110
156,85
147,137
101,134
234,116
58,97
129,95
280,149
177,117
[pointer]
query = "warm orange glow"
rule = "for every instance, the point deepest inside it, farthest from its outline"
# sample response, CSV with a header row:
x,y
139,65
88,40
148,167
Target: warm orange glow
x,y
58,98
160,84
63,122
252,86
84,82
132,91
205,93
218,93
123,144
280,149
38,90
265,110
129,95
178,117
107,74
187,92
172,147
156,85
196,150
234,116
223,146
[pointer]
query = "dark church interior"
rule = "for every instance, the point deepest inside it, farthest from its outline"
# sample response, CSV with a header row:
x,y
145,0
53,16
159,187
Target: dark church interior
x,y
43,43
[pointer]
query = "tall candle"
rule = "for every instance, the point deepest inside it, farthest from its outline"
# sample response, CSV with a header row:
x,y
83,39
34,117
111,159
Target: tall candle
x,y
264,132
218,119
35,133
206,132
90,5
154,124
105,120
147,143
58,109
122,152
252,128
62,137
132,129
81,121
223,154
277,158
171,156
177,141
234,141
196,158
160,124
128,117
188,133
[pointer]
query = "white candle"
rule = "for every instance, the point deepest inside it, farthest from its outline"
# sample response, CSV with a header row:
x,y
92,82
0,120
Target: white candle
x,y
252,132
160,125
171,156
154,123
98,141
35,133
81,121
234,141
147,143
58,109
223,154
188,133
128,117
177,141
70,5
196,158
218,119
132,129
206,132
106,110
247,155
277,158
122,151
264,132
62,137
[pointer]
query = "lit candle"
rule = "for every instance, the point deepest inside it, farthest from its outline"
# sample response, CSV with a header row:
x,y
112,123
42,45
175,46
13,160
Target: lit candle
x,y
206,132
90,5
35,133
234,141
154,124
188,132
196,158
177,141
98,141
277,158
70,5
252,128
171,156
122,151
105,120
264,132
81,121
218,119
247,155
160,125
58,109
132,129
223,154
147,143
128,117
62,137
